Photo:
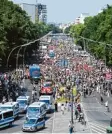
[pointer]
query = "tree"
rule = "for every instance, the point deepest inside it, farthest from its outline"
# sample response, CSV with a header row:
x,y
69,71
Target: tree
x,y
17,29
67,29
55,29
98,28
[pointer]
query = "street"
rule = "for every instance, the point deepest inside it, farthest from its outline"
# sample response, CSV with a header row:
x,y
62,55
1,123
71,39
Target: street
x,y
17,126
98,118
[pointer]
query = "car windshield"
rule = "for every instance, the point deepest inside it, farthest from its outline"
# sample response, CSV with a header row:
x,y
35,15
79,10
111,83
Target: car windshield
x,y
4,108
22,102
33,110
30,121
46,101
47,84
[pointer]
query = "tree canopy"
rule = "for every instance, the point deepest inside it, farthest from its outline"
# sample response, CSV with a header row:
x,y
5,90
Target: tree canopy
x,y
98,28
16,29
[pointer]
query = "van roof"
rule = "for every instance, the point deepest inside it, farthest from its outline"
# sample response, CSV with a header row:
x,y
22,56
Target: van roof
x,y
23,97
4,111
37,104
9,104
45,97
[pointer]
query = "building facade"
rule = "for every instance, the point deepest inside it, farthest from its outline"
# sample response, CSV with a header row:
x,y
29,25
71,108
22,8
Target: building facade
x,y
80,20
42,13
35,12
30,10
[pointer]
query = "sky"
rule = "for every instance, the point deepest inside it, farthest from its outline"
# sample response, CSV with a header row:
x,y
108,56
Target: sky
x,y
65,11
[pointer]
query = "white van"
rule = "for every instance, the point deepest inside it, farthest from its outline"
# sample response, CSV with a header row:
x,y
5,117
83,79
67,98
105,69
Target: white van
x,y
36,109
6,118
23,101
11,105
48,99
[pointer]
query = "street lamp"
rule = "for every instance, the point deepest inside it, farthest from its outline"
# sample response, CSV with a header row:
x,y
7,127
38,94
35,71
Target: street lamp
x,y
72,99
24,45
24,59
18,57
10,54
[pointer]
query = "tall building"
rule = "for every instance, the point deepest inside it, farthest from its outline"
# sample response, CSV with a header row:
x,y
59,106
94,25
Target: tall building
x,y
30,10
42,13
81,18
35,12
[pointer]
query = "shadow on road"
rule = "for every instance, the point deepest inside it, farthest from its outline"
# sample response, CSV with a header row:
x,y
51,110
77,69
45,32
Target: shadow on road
x,y
19,117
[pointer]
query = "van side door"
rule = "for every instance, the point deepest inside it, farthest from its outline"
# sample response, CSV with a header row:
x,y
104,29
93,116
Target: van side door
x,y
16,109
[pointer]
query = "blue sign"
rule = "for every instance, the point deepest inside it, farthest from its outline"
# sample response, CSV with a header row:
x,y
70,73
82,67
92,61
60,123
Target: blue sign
x,y
62,63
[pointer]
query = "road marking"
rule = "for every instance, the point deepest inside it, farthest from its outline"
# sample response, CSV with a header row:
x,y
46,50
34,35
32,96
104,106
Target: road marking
x,y
98,125
98,129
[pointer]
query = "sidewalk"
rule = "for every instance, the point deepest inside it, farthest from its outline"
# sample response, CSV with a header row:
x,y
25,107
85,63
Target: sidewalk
x,y
61,122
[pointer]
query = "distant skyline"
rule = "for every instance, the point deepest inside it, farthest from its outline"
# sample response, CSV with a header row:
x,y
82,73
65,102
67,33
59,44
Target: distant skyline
x,y
65,11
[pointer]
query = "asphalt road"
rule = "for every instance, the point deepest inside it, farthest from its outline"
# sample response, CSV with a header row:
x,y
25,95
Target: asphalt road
x,y
16,128
97,117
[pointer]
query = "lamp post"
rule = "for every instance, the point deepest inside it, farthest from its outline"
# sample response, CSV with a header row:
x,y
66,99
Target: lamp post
x,y
11,53
24,59
24,45
18,57
72,99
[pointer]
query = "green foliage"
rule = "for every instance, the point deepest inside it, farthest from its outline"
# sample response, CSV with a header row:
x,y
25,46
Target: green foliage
x,y
67,30
54,28
98,28
17,29
76,30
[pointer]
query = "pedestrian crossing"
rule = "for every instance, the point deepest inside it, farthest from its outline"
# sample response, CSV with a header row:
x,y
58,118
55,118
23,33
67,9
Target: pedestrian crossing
x,y
97,128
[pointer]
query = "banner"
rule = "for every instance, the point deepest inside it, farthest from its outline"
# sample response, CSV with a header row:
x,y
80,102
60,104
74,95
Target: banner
x,y
85,67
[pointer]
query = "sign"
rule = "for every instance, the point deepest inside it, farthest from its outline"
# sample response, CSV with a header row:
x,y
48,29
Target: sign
x,y
35,73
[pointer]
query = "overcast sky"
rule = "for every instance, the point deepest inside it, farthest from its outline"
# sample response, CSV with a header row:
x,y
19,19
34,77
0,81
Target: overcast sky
x,y
67,10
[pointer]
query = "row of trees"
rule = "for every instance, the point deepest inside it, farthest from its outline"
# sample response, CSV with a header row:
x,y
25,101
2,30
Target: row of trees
x,y
97,28
17,29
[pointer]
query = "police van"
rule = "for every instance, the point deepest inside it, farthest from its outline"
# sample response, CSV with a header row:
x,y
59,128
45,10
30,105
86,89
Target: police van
x,y
33,124
6,118
48,99
12,106
23,101
36,110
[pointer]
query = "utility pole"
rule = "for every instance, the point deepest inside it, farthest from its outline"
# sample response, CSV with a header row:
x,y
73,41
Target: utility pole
x,y
72,103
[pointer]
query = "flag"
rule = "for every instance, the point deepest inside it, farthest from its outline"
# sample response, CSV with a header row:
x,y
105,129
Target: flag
x,y
85,67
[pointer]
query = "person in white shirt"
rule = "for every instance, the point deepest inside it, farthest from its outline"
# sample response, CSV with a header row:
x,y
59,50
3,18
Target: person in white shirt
x,y
62,108
106,104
